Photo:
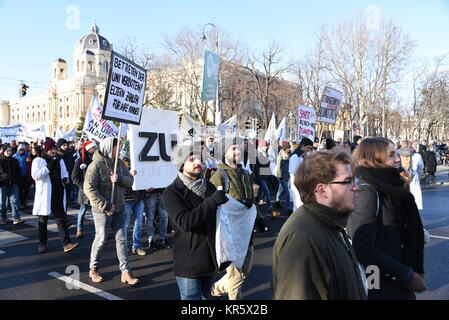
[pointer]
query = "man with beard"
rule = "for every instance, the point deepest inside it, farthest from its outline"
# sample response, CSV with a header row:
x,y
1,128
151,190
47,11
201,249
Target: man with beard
x,y
313,258
51,176
191,203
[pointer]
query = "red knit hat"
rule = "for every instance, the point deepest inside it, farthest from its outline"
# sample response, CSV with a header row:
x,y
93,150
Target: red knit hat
x,y
262,143
86,147
49,144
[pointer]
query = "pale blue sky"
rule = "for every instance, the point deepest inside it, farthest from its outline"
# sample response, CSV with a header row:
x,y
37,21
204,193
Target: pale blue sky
x,y
34,33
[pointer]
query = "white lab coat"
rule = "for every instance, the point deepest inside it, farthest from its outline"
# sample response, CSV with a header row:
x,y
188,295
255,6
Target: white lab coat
x,y
294,163
415,186
42,197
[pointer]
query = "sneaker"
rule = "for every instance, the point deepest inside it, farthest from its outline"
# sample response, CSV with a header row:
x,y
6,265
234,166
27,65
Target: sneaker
x,y
79,234
70,247
139,252
18,221
42,248
164,244
95,276
152,246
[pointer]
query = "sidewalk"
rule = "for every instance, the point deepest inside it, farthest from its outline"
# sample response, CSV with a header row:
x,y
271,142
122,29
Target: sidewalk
x,y
441,176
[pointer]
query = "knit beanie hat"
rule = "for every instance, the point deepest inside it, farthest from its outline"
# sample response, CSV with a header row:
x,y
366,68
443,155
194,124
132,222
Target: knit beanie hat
x,y
86,147
49,144
61,142
20,147
5,147
262,143
182,151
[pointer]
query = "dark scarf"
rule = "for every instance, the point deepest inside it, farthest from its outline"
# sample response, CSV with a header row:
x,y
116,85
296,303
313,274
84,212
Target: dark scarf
x,y
55,173
398,200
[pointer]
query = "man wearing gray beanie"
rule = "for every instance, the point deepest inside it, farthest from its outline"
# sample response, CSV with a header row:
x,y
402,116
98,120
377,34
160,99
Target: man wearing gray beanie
x,y
191,203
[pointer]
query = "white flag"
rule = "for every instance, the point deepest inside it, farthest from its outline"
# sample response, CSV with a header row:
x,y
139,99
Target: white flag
x,y
94,126
280,131
270,135
189,128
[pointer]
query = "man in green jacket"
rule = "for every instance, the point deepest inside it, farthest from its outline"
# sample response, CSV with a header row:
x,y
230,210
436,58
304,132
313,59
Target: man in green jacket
x,y
313,258
98,189
238,184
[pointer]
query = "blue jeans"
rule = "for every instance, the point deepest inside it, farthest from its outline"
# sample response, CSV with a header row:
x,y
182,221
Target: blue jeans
x,y
103,224
264,189
136,209
283,188
151,203
194,289
81,214
11,193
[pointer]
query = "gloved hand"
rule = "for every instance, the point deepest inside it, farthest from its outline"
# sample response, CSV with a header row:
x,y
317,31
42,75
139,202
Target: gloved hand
x,y
220,197
52,164
248,203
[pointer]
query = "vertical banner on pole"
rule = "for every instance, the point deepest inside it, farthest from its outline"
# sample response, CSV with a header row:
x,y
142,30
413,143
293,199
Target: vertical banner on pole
x,y
210,76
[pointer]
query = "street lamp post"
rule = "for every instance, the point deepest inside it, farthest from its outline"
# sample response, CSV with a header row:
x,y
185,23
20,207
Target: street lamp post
x,y
217,107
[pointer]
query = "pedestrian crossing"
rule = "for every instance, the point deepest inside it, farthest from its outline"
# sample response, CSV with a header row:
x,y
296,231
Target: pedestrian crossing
x,y
7,237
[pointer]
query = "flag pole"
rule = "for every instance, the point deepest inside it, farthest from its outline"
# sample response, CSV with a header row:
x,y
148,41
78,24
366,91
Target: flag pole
x,y
116,160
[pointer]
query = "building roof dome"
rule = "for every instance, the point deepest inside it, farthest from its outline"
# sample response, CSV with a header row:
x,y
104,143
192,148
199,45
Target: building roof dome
x,y
93,41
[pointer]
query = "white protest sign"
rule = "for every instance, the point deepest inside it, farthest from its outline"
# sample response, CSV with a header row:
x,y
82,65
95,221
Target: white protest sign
x,y
29,135
94,126
330,103
151,144
9,133
125,91
306,119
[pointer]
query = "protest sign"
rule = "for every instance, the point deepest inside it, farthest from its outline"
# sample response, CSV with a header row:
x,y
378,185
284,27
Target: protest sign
x,y
94,126
125,91
210,76
9,133
306,118
330,103
151,143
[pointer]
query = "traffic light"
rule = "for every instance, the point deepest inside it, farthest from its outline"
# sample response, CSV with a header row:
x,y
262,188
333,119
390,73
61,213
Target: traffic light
x,y
258,124
248,124
23,90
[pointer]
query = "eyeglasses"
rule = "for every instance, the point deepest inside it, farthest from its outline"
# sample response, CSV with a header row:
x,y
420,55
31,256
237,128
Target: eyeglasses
x,y
352,182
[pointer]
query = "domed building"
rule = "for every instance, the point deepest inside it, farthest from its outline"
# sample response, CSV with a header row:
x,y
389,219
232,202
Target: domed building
x,y
67,99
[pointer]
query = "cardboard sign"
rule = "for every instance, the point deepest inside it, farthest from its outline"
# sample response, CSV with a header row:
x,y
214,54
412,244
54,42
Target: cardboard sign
x,y
125,91
330,103
151,144
306,119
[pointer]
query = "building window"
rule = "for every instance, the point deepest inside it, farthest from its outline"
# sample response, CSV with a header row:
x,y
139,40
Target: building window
x,y
60,112
90,66
68,114
43,117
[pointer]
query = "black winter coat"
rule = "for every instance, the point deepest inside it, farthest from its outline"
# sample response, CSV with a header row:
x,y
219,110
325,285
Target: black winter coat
x,y
378,240
430,161
10,172
194,221
78,175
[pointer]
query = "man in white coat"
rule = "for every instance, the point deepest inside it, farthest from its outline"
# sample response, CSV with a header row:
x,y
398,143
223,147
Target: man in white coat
x,y
416,168
51,176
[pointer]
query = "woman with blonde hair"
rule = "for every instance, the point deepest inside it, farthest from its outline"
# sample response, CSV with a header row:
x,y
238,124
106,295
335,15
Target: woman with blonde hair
x,y
385,226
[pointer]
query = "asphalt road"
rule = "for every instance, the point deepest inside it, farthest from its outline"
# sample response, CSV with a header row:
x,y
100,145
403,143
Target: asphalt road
x,y
24,274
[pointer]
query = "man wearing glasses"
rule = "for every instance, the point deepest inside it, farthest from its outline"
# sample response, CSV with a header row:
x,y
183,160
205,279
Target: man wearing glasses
x,y
313,258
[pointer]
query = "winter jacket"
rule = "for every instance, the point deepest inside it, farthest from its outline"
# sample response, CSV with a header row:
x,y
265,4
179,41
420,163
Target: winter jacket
x,y
78,176
240,184
430,161
97,182
282,166
194,222
22,162
10,172
379,239
262,168
313,259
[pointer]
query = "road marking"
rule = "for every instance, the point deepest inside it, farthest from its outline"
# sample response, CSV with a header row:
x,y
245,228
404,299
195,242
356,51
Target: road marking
x,y
439,237
10,237
86,287
2,252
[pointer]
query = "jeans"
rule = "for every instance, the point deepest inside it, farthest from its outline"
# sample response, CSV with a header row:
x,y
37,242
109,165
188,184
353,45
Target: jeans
x,y
194,289
103,224
151,203
135,208
81,214
264,189
61,222
283,188
11,193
